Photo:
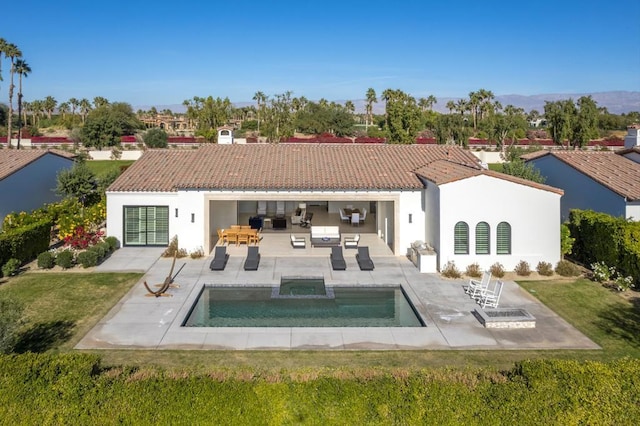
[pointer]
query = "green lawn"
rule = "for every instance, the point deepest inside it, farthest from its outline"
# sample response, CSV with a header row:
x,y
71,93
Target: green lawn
x,y
496,167
101,167
62,307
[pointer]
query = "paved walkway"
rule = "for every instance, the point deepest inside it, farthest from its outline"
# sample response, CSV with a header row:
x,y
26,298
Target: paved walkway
x,y
155,323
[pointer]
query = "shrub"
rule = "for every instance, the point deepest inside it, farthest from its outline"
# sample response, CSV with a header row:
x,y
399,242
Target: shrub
x,y
567,269
450,270
544,269
64,259
88,258
473,270
623,283
173,250
11,267
497,270
113,242
601,272
106,247
523,269
566,241
98,250
46,260
155,138
25,243
197,254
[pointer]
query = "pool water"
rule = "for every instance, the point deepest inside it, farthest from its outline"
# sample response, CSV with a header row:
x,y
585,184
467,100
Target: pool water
x,y
267,307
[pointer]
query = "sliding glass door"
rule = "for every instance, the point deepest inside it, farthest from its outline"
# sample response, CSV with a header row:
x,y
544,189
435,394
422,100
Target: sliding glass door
x,y
146,225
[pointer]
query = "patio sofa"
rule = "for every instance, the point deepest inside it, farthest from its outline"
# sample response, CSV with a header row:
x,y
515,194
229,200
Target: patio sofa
x,y
325,236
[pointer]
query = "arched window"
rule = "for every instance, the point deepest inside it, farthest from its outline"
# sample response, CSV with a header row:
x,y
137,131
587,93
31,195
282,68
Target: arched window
x,y
461,238
503,238
482,238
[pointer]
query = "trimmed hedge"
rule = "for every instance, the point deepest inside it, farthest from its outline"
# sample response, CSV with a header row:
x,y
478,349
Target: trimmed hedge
x,y
25,243
604,238
74,389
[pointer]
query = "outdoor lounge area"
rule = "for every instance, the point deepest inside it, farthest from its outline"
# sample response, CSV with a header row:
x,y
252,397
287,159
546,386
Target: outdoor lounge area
x,y
144,322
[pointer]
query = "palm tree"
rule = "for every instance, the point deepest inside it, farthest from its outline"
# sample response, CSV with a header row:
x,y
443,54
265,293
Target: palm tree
x,y
74,105
50,104
12,52
85,107
451,106
260,99
63,108
423,103
371,99
26,108
431,101
23,70
99,101
36,109
3,46
349,106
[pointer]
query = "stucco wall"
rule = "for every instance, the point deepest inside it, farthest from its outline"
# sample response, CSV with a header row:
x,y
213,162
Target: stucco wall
x,y
532,213
32,186
633,210
580,191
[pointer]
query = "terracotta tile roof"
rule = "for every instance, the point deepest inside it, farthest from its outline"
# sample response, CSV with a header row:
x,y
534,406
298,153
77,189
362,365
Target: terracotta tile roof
x,y
444,171
616,172
12,160
286,167
628,150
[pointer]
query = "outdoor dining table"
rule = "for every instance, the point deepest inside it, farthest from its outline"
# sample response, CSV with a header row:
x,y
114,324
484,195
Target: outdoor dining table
x,y
240,235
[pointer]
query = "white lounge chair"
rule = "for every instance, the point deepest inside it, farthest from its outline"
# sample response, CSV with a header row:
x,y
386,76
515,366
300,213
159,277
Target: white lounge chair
x,y
491,298
475,287
351,242
298,242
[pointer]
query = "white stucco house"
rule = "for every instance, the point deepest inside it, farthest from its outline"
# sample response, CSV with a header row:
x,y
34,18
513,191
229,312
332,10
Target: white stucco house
x,y
438,194
28,178
602,181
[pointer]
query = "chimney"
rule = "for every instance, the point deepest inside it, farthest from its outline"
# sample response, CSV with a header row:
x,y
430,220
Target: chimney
x,y
633,136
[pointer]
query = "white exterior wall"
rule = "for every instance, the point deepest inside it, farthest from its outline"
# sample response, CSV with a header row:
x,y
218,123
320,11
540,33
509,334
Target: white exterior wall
x,y
117,200
393,210
532,213
633,210
432,215
580,191
32,186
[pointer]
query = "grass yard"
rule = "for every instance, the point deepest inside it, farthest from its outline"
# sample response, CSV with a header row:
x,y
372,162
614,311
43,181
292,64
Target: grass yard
x,y
60,308
101,167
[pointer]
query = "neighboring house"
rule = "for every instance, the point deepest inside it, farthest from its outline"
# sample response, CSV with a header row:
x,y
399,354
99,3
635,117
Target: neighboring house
x,y
28,178
602,181
438,194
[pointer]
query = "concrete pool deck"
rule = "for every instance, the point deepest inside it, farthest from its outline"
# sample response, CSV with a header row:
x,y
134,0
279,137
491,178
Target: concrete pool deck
x,y
140,322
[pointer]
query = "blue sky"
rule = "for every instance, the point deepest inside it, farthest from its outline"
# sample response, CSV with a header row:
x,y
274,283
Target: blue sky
x,y
161,53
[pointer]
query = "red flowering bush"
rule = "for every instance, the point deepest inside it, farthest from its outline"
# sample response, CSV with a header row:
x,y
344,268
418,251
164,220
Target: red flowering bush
x,y
82,238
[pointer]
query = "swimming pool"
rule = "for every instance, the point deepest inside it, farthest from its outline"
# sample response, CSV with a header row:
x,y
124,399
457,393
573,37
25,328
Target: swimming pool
x,y
302,305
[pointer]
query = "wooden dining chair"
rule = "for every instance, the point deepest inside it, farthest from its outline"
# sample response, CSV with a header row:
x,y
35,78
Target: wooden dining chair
x,y
232,237
245,227
235,226
242,237
253,236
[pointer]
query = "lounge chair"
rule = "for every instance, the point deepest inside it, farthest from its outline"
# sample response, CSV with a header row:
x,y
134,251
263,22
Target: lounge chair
x,y
298,242
253,259
219,259
364,261
351,242
475,287
491,298
337,260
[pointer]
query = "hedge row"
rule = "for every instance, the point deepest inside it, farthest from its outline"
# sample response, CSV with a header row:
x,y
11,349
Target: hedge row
x,y
73,389
604,238
25,243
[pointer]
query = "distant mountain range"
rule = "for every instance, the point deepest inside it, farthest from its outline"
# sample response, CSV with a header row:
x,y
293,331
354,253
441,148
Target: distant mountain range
x,y
616,102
